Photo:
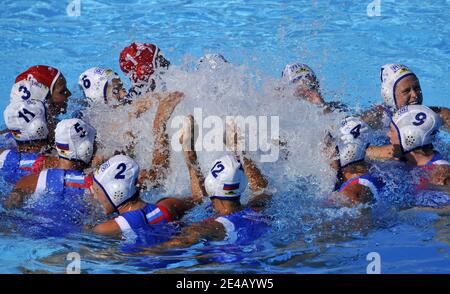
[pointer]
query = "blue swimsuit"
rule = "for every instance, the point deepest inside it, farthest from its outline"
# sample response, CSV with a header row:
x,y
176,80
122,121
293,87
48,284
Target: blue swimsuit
x,y
244,226
7,141
15,165
58,205
429,198
148,226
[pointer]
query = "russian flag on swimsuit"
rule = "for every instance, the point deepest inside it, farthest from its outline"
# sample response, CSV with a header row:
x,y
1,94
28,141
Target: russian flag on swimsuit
x,y
15,165
150,215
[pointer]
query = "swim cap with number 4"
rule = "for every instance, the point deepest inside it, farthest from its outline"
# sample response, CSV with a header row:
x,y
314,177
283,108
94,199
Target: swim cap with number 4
x,y
416,125
353,138
74,140
226,179
117,177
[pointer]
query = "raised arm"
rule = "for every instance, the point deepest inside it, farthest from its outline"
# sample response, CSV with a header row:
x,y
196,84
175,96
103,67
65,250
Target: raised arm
x,y
177,207
257,182
187,140
142,104
161,150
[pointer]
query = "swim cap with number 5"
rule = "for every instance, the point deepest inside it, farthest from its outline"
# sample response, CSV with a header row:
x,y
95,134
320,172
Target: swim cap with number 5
x,y
74,140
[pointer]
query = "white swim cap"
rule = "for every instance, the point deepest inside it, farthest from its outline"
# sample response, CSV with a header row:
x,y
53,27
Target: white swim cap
x,y
352,140
74,140
391,75
29,89
211,61
226,179
416,126
36,83
27,120
299,72
117,177
95,81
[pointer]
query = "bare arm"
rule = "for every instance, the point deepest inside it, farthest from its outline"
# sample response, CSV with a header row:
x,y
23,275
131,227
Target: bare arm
x,y
196,177
441,177
373,117
161,152
209,230
357,194
444,113
178,207
24,188
380,152
256,179
143,104
108,228
257,182
187,140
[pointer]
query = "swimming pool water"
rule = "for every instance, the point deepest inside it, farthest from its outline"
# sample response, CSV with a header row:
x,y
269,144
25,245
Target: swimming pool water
x,y
338,39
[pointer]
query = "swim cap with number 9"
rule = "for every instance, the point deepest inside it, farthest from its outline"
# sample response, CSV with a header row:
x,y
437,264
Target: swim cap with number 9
x,y
416,125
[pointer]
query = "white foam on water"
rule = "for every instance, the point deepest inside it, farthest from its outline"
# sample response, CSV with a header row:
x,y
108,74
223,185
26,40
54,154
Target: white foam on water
x,y
229,90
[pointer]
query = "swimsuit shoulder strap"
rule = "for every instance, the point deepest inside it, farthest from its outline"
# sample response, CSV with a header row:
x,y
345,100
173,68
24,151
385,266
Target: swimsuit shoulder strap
x,y
366,180
437,160
4,156
51,180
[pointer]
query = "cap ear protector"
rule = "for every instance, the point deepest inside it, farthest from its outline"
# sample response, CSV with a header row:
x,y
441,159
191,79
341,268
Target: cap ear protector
x,y
38,129
226,179
85,151
416,126
352,140
117,177
27,120
391,75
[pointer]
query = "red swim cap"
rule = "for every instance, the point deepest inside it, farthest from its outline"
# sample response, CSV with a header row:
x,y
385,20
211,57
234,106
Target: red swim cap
x,y
44,74
138,61
35,83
